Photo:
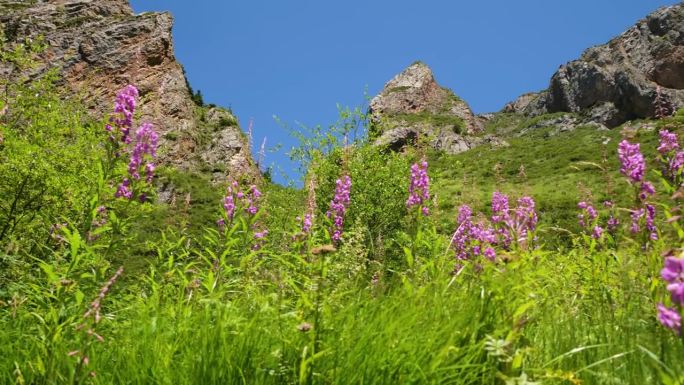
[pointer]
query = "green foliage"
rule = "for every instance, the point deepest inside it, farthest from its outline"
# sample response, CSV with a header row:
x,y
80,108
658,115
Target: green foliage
x,y
206,304
380,185
48,156
442,120
197,98
541,118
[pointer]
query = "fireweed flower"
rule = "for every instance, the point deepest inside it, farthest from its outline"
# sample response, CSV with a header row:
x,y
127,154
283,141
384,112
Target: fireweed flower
x,y
500,207
597,233
144,149
612,224
673,274
419,188
122,119
234,197
646,190
501,218
525,221
252,200
636,215
471,240
146,140
669,318
633,165
588,215
668,142
307,223
339,206
249,203
512,227
672,158
124,190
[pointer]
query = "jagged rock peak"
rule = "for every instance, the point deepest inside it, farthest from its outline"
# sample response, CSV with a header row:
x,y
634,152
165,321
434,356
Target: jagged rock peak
x,y
413,90
100,46
619,81
413,104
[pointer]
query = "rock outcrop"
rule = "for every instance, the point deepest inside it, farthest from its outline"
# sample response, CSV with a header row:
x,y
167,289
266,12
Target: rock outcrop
x,y
619,81
99,46
412,106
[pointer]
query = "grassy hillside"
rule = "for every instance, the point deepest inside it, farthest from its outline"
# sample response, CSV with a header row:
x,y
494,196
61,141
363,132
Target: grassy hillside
x,y
374,273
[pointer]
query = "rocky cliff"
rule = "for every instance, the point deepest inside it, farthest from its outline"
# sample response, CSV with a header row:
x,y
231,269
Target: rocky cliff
x,y
414,107
99,46
619,81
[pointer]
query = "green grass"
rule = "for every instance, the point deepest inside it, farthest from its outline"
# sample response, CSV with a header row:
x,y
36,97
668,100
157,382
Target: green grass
x,y
387,305
559,170
442,121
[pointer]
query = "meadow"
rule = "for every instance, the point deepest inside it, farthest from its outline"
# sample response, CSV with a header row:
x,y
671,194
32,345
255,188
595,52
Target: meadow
x,y
553,260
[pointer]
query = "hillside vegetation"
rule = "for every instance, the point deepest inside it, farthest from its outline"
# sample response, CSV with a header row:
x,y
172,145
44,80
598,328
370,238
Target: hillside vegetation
x,y
554,258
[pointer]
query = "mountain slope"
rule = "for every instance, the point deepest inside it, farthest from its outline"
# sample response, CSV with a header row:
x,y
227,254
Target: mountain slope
x,y
100,46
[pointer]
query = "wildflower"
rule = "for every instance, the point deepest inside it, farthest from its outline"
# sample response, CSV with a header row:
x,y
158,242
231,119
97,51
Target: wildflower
x,y
671,157
124,190
597,232
525,218
252,199
470,239
125,108
632,161
668,142
490,254
501,218
647,189
612,224
229,203
419,188
307,223
670,318
673,273
146,140
636,215
513,227
500,207
339,205
589,213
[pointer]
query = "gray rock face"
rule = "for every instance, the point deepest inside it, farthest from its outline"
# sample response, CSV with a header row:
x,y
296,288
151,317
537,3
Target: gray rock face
x,y
617,82
412,106
100,46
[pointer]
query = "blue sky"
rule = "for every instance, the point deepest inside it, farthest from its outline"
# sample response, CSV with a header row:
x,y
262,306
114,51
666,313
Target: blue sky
x,y
298,59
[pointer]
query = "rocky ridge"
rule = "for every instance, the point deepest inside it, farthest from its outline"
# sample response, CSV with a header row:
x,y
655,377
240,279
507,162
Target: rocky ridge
x,y
619,81
99,46
414,107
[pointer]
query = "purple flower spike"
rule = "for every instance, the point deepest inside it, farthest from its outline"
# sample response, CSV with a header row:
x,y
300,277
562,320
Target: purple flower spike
x,y
307,222
668,142
670,318
419,188
632,161
339,206
500,209
673,273
124,108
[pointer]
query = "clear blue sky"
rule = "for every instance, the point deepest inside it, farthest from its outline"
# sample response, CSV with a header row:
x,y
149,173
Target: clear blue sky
x,y
298,58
